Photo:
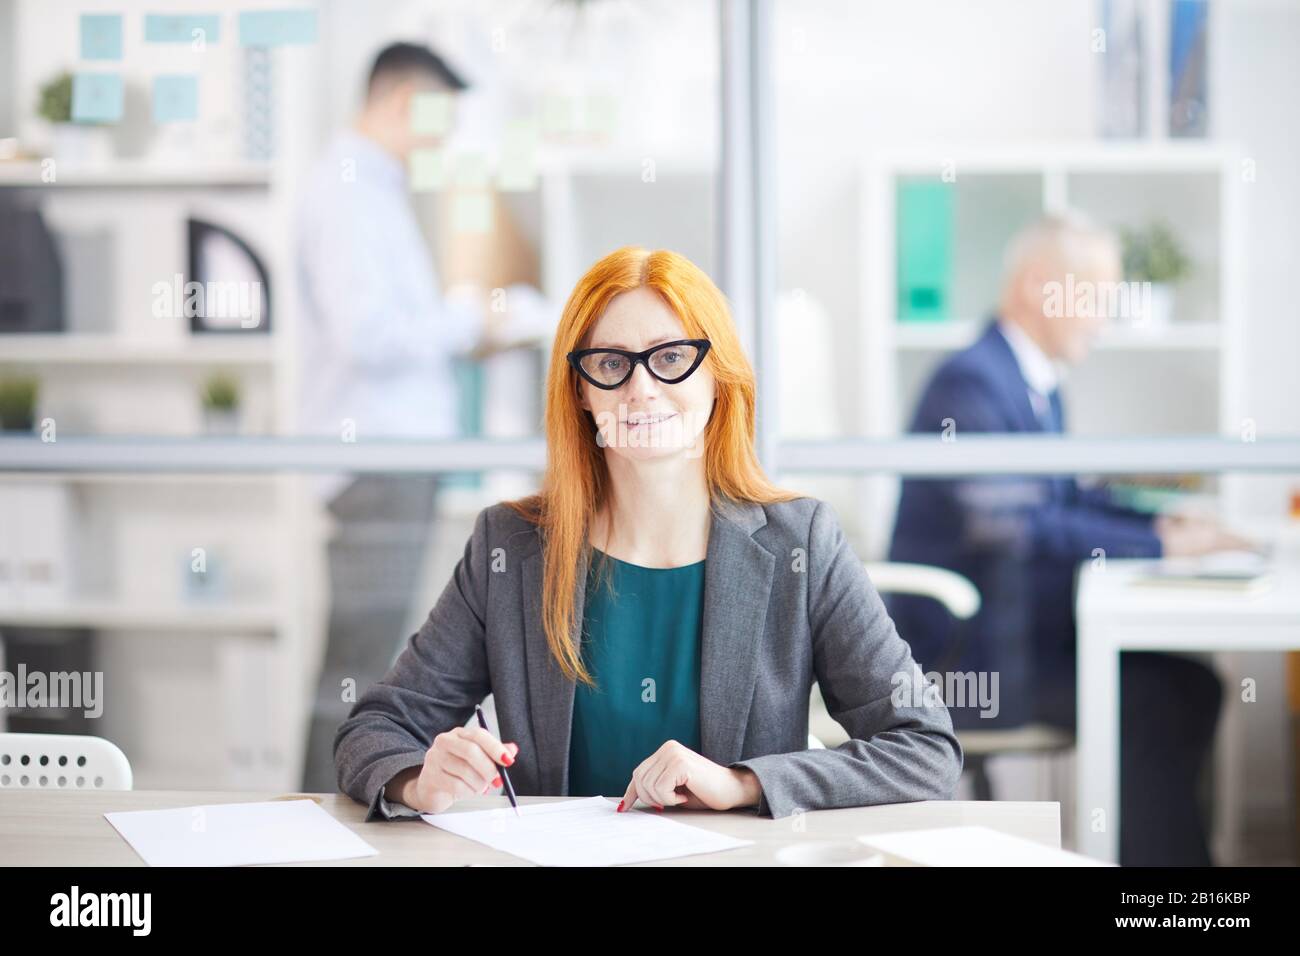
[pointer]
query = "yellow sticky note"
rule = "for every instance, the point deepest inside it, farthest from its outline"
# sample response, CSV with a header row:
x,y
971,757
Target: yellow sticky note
x,y
471,170
431,114
472,212
557,115
428,169
602,114
517,171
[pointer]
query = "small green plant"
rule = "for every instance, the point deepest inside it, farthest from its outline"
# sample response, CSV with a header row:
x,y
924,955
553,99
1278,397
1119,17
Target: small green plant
x,y
1154,255
55,103
18,404
221,393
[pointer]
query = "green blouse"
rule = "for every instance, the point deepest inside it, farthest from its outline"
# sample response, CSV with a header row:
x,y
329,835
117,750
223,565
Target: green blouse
x,y
642,648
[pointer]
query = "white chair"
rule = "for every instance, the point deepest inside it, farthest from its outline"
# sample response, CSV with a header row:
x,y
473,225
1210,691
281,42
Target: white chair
x,y
958,596
62,762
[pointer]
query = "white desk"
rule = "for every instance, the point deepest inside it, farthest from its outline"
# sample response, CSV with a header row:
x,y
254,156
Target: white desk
x,y
67,828
1113,616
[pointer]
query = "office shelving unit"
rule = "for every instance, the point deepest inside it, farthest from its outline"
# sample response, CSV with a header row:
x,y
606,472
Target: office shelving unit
x,y
1181,379
117,369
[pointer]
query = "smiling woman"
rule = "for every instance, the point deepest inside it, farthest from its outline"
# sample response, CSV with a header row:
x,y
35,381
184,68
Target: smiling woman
x,y
652,622
669,362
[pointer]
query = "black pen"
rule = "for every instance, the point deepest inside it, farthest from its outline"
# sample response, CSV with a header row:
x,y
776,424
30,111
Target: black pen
x,y
510,791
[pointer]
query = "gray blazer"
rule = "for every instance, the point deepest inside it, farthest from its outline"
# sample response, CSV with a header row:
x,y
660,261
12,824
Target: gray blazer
x,y
786,603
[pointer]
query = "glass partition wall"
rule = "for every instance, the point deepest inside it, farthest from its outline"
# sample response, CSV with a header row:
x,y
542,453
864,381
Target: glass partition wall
x,y
170,500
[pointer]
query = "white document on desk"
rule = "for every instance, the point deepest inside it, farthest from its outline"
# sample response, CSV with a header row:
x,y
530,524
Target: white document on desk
x,y
586,832
971,846
238,834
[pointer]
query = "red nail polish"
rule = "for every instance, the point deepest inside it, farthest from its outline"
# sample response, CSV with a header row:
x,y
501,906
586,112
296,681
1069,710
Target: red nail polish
x,y
507,759
659,808
620,806
496,781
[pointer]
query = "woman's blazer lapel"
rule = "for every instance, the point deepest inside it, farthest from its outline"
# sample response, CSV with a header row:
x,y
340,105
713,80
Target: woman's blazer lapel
x,y
738,574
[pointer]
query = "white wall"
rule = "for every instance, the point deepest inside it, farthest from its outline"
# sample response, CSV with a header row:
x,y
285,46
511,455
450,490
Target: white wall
x,y
1255,100
657,58
857,76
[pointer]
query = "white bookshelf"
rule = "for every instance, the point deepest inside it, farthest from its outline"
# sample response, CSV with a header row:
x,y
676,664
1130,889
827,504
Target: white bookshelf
x,y
1183,378
117,369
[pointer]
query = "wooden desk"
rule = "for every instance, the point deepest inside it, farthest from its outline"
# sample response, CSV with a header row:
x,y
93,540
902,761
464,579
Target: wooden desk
x,y
67,828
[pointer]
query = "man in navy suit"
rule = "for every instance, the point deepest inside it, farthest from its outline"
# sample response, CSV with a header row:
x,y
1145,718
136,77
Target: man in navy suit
x,y
1022,539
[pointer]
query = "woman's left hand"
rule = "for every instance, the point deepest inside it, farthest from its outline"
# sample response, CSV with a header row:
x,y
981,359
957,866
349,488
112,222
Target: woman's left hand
x,y
675,775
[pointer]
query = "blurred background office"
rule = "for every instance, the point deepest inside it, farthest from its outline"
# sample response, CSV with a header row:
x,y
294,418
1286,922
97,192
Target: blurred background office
x,y
852,178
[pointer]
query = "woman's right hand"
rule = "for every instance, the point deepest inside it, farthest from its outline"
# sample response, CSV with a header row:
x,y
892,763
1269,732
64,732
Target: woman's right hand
x,y
461,763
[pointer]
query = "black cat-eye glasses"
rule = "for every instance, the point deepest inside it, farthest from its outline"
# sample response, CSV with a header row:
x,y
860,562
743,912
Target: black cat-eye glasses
x,y
669,362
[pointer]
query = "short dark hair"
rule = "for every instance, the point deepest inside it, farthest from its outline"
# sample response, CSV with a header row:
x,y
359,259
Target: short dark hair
x,y
398,60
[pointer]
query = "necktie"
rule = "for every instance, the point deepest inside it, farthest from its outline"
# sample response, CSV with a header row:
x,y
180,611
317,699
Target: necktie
x,y
1054,423
1047,409
1058,415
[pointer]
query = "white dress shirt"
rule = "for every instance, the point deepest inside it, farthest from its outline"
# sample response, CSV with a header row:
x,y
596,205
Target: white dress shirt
x,y
377,336
1040,372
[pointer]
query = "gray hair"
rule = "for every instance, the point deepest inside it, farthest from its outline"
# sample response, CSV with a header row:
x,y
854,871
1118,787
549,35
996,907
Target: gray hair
x,y
1069,238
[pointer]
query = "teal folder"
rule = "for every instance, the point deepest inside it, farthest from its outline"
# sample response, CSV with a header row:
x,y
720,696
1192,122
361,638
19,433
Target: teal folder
x,y
924,249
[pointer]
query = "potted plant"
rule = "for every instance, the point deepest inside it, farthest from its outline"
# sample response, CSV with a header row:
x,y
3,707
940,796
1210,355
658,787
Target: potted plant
x,y
18,404
1154,256
74,143
221,404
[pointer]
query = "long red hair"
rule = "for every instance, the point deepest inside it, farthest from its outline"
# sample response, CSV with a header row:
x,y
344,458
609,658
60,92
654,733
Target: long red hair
x,y
576,481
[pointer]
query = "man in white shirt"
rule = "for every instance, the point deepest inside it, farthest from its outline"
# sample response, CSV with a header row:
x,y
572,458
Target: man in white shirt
x,y
378,335
378,339
1041,373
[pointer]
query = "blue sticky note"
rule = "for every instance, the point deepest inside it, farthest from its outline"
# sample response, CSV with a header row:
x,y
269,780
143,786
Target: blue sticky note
x,y
181,28
175,98
277,27
101,36
96,98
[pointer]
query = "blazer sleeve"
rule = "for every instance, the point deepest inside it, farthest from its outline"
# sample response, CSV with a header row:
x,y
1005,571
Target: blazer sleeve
x,y
1015,514
902,745
432,687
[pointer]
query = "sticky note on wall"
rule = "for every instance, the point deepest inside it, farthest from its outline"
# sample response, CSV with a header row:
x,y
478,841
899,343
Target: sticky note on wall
x,y
182,28
472,213
428,169
472,170
518,167
96,98
431,114
175,98
277,27
101,36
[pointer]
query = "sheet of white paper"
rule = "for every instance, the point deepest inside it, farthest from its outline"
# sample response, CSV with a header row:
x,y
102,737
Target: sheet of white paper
x,y
587,832
972,846
237,834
